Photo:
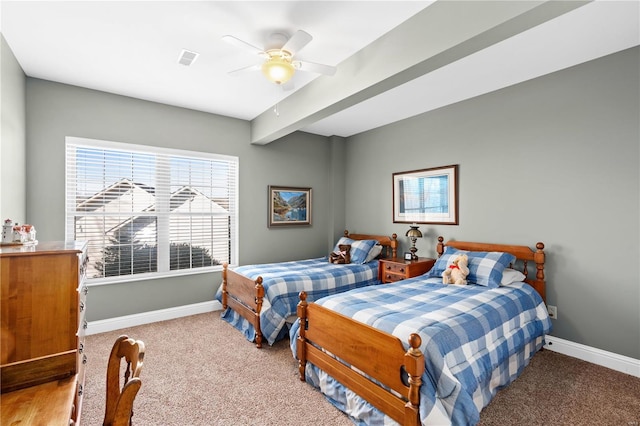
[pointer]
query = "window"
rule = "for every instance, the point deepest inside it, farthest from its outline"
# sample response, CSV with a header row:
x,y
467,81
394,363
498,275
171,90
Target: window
x,y
149,212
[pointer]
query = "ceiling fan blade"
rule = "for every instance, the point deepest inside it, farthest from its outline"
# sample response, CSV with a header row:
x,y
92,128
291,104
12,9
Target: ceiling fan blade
x,y
297,41
244,45
317,68
245,69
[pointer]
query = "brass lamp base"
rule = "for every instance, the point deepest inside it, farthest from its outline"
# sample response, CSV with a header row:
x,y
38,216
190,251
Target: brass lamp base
x,y
413,251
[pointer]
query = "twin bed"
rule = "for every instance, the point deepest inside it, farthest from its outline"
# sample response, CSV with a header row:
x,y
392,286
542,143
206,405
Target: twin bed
x,y
420,352
259,299
412,352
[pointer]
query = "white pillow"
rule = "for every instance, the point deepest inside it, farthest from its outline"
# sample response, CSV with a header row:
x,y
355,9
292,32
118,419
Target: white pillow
x,y
373,253
510,276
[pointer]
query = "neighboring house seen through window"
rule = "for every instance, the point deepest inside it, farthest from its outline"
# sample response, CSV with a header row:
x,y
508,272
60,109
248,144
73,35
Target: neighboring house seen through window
x,y
148,211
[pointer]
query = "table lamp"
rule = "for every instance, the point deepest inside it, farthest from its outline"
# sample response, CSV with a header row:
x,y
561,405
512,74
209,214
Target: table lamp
x,y
414,233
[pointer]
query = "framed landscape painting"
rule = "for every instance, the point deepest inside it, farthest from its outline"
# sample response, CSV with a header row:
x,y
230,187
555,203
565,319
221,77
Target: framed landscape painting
x,y
289,206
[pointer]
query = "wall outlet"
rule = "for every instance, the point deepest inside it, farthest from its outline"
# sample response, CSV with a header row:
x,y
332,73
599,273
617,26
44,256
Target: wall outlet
x,y
553,311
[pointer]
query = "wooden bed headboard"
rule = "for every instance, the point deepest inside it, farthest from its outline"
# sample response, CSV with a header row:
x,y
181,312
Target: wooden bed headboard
x,y
522,253
389,244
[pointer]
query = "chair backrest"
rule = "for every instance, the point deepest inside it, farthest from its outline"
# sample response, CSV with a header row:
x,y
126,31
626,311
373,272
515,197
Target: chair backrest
x,y
120,394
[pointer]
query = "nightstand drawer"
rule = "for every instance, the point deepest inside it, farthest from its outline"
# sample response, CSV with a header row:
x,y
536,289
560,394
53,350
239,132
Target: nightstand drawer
x,y
389,277
395,268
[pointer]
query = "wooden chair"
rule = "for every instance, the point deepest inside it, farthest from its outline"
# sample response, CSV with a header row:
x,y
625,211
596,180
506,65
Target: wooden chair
x,y
119,405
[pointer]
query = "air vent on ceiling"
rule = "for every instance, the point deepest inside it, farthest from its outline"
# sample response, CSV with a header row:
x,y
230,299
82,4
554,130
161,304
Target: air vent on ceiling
x,y
187,57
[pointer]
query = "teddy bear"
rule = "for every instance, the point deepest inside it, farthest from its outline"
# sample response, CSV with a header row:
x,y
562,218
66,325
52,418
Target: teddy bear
x,y
457,272
343,255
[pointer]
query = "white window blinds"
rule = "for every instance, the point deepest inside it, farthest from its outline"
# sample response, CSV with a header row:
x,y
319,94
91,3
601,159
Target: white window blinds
x,y
148,210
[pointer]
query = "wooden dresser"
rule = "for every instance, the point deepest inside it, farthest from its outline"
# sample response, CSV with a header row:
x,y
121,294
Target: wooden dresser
x,y
42,313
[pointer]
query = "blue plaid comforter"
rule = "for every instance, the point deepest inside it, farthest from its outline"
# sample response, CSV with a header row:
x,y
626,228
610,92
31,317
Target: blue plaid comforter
x,y
475,340
284,281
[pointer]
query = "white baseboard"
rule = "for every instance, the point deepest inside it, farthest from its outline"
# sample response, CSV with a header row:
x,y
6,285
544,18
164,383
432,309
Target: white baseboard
x,y
111,324
610,360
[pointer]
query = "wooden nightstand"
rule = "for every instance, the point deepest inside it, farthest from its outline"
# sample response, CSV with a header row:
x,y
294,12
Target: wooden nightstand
x,y
396,269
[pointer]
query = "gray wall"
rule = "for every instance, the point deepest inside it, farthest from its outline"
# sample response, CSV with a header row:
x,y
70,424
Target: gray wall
x,y
12,133
56,110
337,171
555,160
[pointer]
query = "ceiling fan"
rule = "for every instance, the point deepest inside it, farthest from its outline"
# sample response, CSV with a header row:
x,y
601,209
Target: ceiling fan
x,y
278,58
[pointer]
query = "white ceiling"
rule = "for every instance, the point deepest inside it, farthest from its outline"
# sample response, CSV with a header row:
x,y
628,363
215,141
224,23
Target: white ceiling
x,y
131,48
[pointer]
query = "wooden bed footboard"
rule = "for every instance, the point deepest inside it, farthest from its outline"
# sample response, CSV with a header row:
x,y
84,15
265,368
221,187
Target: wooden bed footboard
x,y
371,351
244,296
326,336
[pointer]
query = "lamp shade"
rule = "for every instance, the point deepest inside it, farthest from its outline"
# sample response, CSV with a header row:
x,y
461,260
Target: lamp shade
x,y
278,70
414,232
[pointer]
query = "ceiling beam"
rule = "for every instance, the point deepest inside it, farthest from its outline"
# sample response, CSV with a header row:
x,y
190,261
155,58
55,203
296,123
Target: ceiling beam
x,y
440,34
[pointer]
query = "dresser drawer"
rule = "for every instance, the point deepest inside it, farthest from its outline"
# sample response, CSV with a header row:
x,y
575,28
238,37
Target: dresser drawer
x,y
82,358
77,402
82,305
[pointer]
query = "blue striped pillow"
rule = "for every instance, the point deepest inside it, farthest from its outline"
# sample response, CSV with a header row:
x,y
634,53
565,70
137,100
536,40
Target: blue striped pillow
x,y
359,248
443,262
485,267
342,241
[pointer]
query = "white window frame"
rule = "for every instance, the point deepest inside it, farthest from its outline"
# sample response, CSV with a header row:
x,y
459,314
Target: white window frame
x,y
162,182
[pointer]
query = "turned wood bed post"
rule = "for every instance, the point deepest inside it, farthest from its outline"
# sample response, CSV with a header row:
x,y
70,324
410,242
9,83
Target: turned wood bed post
x,y
440,246
259,297
224,285
539,259
414,365
394,245
302,353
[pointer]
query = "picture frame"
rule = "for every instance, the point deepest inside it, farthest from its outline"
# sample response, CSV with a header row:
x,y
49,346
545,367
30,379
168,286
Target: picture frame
x,y
408,255
426,196
289,206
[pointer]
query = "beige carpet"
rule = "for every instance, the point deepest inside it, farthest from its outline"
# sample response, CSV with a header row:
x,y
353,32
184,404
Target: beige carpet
x,y
200,371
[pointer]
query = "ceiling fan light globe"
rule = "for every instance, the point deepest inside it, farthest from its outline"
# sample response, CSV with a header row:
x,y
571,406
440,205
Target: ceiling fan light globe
x,y
278,70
